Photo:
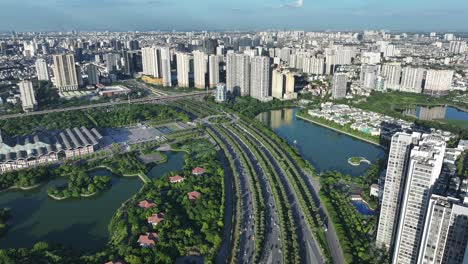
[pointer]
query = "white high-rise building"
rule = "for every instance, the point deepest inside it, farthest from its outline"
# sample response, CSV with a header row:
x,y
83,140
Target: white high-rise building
x,y
370,57
412,79
424,167
238,74
393,188
438,82
183,69
166,66
28,100
314,66
457,47
344,56
200,65
42,70
339,84
213,64
65,74
260,78
93,74
445,234
368,77
151,61
392,73
277,84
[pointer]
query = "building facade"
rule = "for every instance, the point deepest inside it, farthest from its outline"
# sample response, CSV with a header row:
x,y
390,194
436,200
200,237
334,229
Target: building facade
x,y
65,75
28,100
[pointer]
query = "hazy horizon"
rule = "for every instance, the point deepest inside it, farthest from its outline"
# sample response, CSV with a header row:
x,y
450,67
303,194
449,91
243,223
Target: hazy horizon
x,y
188,15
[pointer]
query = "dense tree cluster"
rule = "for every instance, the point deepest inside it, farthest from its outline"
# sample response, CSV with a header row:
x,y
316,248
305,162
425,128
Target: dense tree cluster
x,y
353,230
189,227
99,117
80,184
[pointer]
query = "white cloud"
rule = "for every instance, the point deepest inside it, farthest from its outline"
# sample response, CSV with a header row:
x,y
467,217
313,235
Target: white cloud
x,y
297,3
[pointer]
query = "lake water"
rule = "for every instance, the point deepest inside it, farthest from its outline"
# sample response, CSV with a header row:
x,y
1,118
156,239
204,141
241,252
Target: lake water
x,y
324,148
438,113
362,208
175,161
79,223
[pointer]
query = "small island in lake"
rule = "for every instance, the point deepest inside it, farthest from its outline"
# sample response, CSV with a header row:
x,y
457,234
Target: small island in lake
x,y
80,185
356,161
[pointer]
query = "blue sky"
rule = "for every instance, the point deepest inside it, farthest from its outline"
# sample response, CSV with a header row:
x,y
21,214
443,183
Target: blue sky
x,y
407,15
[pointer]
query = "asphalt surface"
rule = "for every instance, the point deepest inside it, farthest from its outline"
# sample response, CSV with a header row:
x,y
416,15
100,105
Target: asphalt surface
x,y
271,252
224,250
308,247
246,241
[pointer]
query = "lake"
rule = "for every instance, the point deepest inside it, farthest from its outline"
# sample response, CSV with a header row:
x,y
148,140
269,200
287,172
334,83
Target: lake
x,y
441,112
362,208
175,161
80,223
324,148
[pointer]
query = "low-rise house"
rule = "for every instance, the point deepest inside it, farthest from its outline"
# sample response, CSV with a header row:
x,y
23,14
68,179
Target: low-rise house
x,y
155,219
176,179
198,171
148,240
146,204
192,196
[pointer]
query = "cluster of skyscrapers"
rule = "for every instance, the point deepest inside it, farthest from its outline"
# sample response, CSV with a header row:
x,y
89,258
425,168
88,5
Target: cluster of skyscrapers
x,y
420,222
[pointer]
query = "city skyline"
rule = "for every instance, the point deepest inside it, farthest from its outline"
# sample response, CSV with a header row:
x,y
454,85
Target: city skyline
x,y
146,15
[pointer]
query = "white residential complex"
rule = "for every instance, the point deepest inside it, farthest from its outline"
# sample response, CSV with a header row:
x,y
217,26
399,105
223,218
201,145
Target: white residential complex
x,y
424,167
65,74
260,78
238,74
438,82
393,189
42,71
445,234
213,73
28,100
339,84
166,67
200,65
183,69
151,61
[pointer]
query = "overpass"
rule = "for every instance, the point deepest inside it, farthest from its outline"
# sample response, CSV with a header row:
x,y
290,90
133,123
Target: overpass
x,y
149,99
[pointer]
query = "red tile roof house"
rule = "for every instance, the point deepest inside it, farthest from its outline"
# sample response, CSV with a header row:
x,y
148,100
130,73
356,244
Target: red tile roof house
x,y
192,196
146,204
148,240
155,219
198,171
176,179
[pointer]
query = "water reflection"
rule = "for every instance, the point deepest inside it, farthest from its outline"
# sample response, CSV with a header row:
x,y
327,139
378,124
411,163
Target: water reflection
x,y
441,112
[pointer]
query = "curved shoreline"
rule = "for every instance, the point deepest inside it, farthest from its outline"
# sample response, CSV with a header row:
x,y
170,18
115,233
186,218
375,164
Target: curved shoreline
x,y
12,188
68,197
361,160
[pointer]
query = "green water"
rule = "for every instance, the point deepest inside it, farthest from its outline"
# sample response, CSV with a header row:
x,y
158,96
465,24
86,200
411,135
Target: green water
x,y
78,223
322,147
175,161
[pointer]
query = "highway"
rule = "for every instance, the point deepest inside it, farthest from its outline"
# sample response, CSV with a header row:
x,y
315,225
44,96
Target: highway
x,y
246,241
309,250
148,99
271,252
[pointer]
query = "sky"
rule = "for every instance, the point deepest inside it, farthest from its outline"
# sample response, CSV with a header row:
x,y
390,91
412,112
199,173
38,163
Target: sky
x,y
147,15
